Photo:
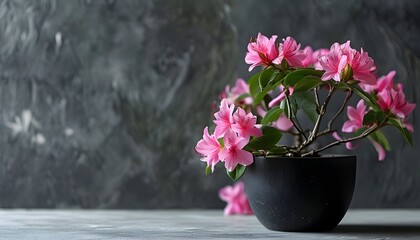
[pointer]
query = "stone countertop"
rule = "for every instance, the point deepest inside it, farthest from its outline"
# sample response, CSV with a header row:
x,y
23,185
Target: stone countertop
x,y
194,224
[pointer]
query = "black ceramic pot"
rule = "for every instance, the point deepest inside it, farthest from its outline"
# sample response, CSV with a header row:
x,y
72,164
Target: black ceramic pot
x,y
308,194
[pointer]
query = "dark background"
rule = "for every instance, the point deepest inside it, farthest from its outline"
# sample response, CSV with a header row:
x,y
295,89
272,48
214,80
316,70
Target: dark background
x,y
119,92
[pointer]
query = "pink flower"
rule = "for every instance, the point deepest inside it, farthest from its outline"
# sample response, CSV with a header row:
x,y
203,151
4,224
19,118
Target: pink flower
x,y
281,96
282,123
385,82
241,87
394,101
355,115
224,118
232,154
309,58
261,52
349,145
237,202
333,64
209,148
316,55
379,149
245,124
341,55
290,51
363,67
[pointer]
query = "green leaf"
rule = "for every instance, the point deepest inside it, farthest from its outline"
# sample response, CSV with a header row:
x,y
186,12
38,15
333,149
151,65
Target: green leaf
x,y
272,115
266,76
253,84
369,118
293,77
293,107
398,124
260,96
237,172
307,83
271,136
366,96
242,97
374,117
274,82
306,102
208,170
380,138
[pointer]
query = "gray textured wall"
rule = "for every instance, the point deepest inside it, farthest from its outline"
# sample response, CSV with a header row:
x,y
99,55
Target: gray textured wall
x,y
119,91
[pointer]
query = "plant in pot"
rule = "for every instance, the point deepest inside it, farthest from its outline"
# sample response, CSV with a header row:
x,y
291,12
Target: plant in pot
x,y
296,187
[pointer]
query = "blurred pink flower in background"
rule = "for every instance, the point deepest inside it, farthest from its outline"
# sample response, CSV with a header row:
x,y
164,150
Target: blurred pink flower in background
x,y
315,57
282,123
240,88
236,199
281,96
308,60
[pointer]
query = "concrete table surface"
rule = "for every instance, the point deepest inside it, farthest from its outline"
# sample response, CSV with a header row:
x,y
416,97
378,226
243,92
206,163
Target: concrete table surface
x,y
193,224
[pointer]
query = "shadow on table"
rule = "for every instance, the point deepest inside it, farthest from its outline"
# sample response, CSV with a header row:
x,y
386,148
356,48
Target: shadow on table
x,y
378,229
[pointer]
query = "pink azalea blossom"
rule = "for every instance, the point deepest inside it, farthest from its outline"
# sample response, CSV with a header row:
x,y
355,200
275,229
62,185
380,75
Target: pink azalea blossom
x,y
209,148
316,55
290,51
282,123
363,67
237,201
349,145
341,55
385,82
261,52
355,115
281,96
241,87
245,124
379,149
333,64
232,154
394,101
309,58
224,118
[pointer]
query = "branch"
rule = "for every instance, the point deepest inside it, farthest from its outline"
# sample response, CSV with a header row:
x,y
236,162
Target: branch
x,y
297,126
365,134
330,123
317,98
346,100
313,134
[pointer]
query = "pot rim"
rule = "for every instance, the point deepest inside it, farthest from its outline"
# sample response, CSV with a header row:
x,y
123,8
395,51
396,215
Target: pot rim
x,y
325,156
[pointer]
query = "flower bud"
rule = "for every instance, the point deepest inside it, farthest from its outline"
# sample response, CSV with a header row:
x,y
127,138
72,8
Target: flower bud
x,y
347,73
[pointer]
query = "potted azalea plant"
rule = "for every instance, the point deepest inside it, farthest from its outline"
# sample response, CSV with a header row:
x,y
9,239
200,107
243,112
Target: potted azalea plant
x,y
298,187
